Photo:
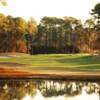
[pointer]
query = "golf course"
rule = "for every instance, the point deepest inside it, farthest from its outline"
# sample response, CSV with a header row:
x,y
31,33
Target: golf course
x,y
50,66
53,61
53,47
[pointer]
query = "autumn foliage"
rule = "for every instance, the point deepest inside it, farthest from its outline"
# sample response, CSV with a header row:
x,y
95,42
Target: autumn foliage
x,y
12,33
51,35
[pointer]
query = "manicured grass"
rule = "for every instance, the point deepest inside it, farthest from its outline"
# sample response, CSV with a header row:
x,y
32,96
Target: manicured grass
x,y
57,61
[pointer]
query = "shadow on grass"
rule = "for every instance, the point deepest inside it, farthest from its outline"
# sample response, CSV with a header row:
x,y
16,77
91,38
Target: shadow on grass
x,y
12,64
93,66
83,62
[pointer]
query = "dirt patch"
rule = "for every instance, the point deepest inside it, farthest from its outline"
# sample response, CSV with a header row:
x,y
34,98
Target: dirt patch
x,y
14,54
5,57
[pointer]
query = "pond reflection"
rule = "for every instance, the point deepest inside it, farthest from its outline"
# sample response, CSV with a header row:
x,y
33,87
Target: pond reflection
x,y
35,89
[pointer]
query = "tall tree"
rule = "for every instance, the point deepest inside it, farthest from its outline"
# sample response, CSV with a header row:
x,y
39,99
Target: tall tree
x,y
72,24
48,29
31,26
96,15
90,34
3,33
20,31
31,30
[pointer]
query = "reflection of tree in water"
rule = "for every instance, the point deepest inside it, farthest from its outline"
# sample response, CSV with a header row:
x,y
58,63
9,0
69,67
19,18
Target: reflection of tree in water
x,y
92,88
16,89
67,88
55,88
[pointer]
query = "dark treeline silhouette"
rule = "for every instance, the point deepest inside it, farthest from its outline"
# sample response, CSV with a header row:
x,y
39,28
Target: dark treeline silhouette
x,y
51,35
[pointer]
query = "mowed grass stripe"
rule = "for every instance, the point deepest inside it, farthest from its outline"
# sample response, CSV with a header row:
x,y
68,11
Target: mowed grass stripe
x,y
79,61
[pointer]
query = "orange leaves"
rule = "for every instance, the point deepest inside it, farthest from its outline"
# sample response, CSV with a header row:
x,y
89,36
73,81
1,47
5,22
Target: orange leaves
x,y
21,46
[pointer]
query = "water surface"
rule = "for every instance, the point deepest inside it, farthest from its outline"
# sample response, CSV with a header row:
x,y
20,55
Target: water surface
x,y
38,89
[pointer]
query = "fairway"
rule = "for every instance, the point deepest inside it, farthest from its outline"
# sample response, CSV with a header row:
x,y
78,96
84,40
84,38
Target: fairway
x,y
52,61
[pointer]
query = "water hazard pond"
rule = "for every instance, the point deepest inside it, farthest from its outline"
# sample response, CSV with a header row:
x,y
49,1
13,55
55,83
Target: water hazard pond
x,y
37,89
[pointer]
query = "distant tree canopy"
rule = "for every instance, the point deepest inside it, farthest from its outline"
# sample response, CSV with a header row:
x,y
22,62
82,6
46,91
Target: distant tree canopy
x,y
12,34
51,35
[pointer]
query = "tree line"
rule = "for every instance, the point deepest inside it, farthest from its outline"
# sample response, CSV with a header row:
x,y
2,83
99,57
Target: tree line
x,y
51,35
13,32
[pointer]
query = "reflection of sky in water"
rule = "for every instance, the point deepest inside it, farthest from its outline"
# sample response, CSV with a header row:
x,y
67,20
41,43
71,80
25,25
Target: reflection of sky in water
x,y
31,89
83,96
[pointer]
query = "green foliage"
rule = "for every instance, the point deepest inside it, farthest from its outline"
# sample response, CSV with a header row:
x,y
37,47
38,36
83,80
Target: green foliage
x,y
96,14
31,26
96,10
12,34
61,35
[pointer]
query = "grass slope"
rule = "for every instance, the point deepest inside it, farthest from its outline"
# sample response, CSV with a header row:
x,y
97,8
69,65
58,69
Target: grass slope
x,y
53,61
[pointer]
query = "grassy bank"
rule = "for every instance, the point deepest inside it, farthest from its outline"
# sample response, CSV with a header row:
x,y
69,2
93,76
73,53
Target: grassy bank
x,y
54,61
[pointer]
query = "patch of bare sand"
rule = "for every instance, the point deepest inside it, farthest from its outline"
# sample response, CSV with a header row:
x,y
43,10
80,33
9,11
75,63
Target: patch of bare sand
x,y
13,72
13,54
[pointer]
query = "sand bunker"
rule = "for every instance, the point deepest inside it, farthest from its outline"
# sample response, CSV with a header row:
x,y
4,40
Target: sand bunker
x,y
9,56
5,57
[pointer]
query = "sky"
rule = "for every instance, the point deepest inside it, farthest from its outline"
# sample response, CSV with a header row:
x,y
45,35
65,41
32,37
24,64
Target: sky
x,y
79,9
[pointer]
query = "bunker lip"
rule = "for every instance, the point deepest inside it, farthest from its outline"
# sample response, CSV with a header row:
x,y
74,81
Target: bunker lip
x,y
10,73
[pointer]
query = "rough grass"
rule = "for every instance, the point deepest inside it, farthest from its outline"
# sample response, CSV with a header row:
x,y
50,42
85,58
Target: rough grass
x,y
54,61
